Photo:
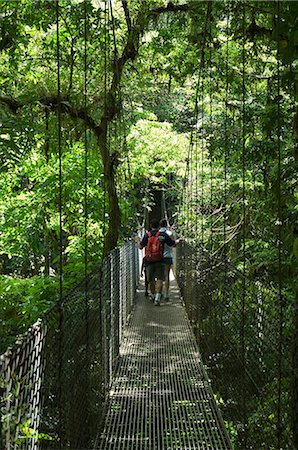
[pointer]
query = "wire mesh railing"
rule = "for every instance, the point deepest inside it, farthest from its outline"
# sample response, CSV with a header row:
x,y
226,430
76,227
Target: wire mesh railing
x,y
239,342
55,378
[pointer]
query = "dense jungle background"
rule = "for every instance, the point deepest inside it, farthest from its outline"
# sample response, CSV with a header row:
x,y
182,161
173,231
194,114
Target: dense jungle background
x,y
196,98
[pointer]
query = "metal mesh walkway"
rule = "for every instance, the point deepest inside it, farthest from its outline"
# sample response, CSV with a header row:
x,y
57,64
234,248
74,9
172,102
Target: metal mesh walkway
x,y
160,397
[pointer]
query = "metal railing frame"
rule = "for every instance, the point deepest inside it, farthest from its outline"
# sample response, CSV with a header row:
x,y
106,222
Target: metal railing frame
x,y
211,290
56,377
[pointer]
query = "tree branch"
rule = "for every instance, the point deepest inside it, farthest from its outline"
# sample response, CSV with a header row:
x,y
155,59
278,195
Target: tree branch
x,y
11,102
127,15
170,7
111,108
51,102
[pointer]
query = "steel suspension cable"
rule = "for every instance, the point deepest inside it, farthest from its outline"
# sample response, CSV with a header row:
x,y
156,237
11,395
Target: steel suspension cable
x,y
121,117
117,132
59,140
210,138
243,162
202,170
195,184
279,242
188,170
209,148
190,194
196,115
183,204
196,173
225,161
194,143
85,145
128,176
116,138
106,47
86,210
47,151
60,302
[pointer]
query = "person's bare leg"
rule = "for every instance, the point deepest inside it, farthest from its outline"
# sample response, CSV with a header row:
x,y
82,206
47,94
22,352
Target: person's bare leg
x,y
146,283
167,280
158,286
167,276
152,287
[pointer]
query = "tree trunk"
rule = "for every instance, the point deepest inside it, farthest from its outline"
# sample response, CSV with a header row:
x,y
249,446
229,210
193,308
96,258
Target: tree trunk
x,y
130,51
111,237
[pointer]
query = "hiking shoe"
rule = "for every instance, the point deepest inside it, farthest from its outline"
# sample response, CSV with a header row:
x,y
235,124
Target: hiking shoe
x,y
157,302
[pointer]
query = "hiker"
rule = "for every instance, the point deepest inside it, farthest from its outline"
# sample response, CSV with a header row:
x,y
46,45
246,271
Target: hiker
x,y
167,257
154,242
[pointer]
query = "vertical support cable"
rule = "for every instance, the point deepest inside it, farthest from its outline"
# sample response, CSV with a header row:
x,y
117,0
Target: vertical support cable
x,y
116,135
86,213
124,147
210,136
59,154
194,153
85,152
210,156
243,157
106,45
183,202
202,169
60,426
85,141
85,160
279,426
189,203
225,164
46,231
196,114
196,169
195,144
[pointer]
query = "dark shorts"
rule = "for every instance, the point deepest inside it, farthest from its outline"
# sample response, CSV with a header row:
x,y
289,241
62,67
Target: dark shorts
x,y
155,271
168,261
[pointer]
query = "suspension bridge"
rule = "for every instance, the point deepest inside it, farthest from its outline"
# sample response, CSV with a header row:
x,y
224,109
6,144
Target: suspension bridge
x,y
108,370
111,372
215,367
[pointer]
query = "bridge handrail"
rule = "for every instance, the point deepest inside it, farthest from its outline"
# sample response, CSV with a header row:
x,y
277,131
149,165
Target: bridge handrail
x,y
237,323
56,376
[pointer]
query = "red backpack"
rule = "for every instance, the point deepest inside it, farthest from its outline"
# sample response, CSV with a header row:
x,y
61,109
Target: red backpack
x,y
154,248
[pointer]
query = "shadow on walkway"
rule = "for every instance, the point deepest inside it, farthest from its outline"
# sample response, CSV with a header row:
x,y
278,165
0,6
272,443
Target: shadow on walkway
x,y
160,398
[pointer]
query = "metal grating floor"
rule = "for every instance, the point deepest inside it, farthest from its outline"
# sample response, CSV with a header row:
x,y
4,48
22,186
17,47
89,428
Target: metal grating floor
x,y
160,398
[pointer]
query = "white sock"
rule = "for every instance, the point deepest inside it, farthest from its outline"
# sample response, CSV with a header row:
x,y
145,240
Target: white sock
x,y
157,297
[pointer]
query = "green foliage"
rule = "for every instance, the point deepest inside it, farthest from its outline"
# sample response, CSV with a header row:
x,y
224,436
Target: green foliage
x,y
156,152
30,208
29,238
187,81
157,156
23,301
27,432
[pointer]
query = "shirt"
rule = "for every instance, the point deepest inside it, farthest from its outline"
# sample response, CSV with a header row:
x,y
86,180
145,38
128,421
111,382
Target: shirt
x,y
168,252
